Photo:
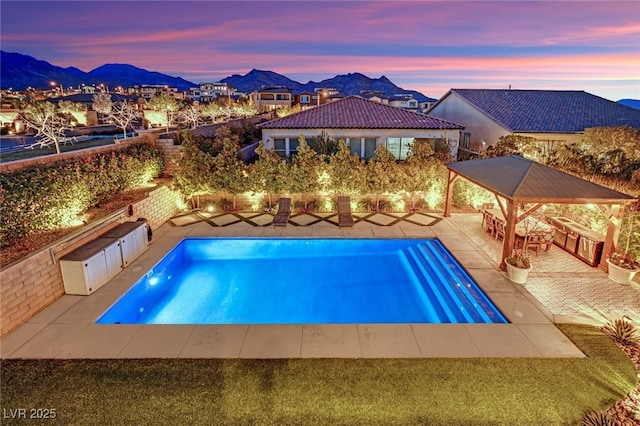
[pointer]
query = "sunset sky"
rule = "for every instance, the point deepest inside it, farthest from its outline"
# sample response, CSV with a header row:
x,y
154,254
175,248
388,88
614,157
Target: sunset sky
x,y
419,45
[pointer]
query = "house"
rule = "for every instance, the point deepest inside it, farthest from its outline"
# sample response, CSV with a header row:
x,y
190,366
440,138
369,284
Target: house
x,y
270,98
306,99
551,116
148,91
325,94
363,124
403,101
375,96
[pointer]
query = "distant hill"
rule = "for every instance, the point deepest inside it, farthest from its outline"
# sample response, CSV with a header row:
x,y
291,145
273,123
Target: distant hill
x,y
19,71
633,103
347,84
255,79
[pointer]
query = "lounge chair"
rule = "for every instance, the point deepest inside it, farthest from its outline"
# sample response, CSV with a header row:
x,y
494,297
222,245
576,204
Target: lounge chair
x,y
284,211
345,218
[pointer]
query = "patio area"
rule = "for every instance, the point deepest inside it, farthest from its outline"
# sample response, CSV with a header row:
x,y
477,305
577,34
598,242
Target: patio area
x,y
560,289
569,289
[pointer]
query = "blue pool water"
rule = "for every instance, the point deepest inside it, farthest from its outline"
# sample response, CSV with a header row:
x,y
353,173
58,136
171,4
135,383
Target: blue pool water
x,y
304,281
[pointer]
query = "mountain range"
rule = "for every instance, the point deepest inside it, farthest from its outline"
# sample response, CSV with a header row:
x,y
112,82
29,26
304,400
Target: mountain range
x,y
19,71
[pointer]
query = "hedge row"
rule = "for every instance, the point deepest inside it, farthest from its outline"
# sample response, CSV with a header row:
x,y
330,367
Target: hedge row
x,y
53,196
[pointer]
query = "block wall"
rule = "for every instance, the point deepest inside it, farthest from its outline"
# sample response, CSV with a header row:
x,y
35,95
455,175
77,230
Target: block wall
x,y
32,284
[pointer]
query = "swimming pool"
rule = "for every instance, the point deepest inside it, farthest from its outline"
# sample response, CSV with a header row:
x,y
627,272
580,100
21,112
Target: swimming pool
x,y
304,281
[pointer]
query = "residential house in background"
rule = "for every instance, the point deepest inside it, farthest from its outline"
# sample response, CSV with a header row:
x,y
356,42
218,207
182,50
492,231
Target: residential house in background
x,y
375,96
306,99
551,116
148,91
403,101
363,124
325,94
209,92
270,98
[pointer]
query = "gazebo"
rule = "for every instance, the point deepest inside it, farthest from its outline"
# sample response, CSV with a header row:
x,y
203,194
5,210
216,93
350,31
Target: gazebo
x,y
517,181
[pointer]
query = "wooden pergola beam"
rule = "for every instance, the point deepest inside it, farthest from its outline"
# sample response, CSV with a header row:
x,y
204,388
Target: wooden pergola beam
x,y
612,235
447,205
509,233
528,212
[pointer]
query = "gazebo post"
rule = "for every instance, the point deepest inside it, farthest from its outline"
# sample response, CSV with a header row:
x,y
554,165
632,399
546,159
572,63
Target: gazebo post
x,y
613,233
509,232
447,205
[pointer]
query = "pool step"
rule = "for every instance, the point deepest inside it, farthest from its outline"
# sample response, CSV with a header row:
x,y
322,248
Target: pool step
x,y
475,301
427,285
447,285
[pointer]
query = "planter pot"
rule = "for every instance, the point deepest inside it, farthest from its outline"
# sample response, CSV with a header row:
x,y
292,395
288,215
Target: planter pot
x,y
517,275
621,275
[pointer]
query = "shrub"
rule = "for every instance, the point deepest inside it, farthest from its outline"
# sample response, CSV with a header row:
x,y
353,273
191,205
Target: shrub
x,y
622,331
594,418
54,196
466,193
226,205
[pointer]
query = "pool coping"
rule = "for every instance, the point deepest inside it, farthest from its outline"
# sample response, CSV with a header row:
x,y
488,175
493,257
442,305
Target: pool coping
x,y
66,329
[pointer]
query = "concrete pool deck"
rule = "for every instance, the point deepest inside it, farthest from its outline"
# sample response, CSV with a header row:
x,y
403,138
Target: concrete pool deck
x,y
66,329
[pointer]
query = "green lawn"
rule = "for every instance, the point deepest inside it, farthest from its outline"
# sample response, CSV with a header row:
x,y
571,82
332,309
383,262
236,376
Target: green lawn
x,y
38,152
325,391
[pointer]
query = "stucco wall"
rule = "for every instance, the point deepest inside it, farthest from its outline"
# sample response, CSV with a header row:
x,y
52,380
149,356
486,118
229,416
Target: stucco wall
x,y
482,128
268,135
30,285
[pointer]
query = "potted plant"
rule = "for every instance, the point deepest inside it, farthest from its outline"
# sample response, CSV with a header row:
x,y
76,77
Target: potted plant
x,y
622,267
518,267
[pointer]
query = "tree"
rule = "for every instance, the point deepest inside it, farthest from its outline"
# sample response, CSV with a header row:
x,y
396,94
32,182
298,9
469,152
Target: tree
x,y
212,110
269,173
424,174
227,107
191,114
524,146
324,145
165,103
68,107
383,173
229,172
102,103
124,115
246,109
193,172
49,124
286,110
346,172
305,170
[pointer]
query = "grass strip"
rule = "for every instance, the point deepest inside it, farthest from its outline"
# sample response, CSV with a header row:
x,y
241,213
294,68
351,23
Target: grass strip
x,y
325,391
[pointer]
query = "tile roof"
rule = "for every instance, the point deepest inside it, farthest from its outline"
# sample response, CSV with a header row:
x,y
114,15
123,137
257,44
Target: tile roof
x,y
355,112
549,111
516,177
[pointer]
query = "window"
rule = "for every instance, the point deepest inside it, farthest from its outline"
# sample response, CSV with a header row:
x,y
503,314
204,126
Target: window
x,y
266,96
282,97
305,99
354,146
466,141
293,146
279,145
399,147
369,147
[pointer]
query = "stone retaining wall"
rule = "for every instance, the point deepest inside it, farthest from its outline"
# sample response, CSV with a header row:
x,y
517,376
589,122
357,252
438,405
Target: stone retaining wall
x,y
30,285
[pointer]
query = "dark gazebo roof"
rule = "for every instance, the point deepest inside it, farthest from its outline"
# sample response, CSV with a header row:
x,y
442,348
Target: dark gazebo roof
x,y
522,180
